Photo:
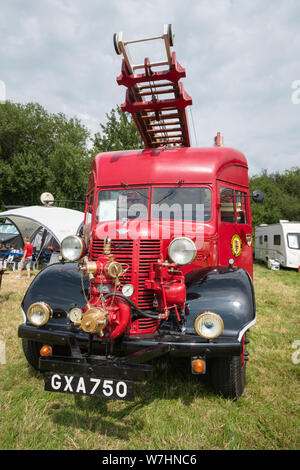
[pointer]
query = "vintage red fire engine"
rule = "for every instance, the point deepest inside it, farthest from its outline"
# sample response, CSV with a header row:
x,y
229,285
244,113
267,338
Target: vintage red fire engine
x,y
163,266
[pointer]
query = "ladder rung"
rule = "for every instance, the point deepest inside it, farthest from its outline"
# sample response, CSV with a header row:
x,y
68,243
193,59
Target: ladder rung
x,y
160,123
165,135
156,92
166,131
157,85
153,64
167,142
163,116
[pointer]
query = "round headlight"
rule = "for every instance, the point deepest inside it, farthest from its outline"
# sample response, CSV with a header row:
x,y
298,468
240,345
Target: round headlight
x,y
209,325
182,251
39,313
72,248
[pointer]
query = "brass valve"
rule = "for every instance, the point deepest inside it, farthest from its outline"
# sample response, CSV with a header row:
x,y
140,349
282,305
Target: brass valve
x,y
94,320
114,269
107,246
88,267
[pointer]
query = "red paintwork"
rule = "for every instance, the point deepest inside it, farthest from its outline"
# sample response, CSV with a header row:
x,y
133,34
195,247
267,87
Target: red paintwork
x,y
174,74
181,102
167,96
207,167
168,285
168,166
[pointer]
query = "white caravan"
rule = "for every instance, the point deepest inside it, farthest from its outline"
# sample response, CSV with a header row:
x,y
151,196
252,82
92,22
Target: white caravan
x,y
279,241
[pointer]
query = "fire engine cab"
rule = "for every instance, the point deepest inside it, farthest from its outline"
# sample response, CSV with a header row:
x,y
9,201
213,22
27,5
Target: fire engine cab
x,y
163,266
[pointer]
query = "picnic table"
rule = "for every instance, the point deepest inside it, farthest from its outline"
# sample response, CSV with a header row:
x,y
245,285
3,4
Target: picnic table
x,y
9,253
9,257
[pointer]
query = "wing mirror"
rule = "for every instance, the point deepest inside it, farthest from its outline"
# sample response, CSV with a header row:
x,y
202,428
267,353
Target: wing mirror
x,y
257,196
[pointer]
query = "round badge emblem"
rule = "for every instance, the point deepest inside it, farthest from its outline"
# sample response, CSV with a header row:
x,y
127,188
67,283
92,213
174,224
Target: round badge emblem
x,y
236,245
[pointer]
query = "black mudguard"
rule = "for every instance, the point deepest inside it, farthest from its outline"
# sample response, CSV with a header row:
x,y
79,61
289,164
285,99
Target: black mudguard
x,y
225,291
60,286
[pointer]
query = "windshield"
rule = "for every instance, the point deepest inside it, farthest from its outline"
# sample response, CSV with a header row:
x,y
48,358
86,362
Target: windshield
x,y
122,204
190,204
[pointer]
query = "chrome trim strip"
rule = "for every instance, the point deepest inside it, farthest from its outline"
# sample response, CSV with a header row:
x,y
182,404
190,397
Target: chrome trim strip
x,y
241,333
23,314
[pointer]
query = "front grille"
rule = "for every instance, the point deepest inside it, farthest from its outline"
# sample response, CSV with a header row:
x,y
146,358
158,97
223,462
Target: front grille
x,y
138,256
144,326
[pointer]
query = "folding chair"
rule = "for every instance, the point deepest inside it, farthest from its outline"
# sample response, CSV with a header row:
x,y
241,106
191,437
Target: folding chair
x,y
10,260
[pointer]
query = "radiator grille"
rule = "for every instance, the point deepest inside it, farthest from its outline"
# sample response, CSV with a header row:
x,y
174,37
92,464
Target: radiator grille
x,y
144,326
138,255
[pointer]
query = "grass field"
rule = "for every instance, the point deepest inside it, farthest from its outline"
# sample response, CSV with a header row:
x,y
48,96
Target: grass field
x,y
176,410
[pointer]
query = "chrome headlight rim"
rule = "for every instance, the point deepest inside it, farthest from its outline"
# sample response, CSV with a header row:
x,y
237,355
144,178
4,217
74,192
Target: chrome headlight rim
x,y
193,246
76,238
201,318
46,309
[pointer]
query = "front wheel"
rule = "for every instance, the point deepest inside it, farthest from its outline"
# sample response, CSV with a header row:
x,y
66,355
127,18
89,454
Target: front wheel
x,y
228,376
31,350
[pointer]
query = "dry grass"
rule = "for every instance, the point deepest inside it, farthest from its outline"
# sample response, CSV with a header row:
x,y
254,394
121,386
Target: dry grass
x,y
175,410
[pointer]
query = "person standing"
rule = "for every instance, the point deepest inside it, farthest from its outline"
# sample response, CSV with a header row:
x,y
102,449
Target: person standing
x,y
26,258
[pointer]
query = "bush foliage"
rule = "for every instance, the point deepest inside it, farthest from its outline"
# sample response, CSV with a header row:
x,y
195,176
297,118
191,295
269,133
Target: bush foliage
x,y
42,152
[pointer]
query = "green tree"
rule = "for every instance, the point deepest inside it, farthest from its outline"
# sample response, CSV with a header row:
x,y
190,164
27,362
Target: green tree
x,y
119,133
281,196
41,152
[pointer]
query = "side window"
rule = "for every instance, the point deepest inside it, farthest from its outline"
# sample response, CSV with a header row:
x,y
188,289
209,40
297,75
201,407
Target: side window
x,y
260,240
241,211
227,205
277,240
233,206
265,238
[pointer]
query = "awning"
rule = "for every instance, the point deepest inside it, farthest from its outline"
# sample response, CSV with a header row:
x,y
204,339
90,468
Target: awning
x,y
59,222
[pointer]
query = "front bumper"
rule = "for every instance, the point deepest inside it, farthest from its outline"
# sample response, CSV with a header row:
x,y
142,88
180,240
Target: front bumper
x,y
180,345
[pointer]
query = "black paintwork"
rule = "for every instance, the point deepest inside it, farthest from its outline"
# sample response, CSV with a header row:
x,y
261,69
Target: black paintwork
x,y
226,291
60,286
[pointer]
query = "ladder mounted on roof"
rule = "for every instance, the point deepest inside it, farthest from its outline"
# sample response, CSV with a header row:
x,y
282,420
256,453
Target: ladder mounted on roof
x,y
155,98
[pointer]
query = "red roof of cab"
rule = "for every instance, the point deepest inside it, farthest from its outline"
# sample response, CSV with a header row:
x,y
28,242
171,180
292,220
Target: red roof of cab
x,y
164,166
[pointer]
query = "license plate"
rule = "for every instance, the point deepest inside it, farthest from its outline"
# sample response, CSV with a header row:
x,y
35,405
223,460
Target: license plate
x,y
98,387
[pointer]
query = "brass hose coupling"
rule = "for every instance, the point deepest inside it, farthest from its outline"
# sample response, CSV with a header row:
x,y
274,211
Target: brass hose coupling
x,y
94,320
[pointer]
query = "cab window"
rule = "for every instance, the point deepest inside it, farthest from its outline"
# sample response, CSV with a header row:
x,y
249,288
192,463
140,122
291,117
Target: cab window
x,y
233,206
227,205
241,212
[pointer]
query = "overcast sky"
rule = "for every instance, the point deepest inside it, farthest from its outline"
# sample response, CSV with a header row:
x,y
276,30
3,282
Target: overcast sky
x,y
241,59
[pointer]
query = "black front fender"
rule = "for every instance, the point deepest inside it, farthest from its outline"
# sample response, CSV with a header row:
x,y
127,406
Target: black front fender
x,y
60,286
225,291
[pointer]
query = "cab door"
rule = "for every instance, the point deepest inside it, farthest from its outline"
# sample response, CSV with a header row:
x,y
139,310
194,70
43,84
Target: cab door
x,y
235,229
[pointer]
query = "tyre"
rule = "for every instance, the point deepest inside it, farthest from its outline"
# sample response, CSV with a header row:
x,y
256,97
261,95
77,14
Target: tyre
x,y
31,350
116,45
170,35
228,376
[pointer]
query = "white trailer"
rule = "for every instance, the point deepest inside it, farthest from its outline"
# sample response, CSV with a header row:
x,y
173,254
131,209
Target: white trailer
x,y
279,241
